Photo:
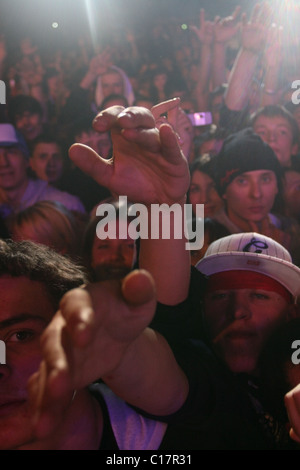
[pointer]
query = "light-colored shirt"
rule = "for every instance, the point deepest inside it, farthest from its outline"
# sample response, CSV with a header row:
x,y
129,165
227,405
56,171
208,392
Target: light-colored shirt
x,y
39,190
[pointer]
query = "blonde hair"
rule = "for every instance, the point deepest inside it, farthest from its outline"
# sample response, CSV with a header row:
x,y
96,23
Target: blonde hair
x,y
48,223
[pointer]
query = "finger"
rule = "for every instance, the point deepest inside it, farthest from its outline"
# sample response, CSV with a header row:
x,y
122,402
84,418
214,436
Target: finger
x,y
292,403
170,146
173,115
91,163
49,416
138,287
202,18
165,107
77,310
47,409
244,19
255,13
107,118
136,117
147,139
55,375
235,14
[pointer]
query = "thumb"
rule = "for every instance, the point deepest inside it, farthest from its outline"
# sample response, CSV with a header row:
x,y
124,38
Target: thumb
x,y
91,163
138,287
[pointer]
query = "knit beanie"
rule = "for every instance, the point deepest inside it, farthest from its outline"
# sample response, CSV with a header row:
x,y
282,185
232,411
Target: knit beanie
x,y
241,152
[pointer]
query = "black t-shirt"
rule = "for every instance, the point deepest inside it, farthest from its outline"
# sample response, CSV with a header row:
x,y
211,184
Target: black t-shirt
x,y
217,414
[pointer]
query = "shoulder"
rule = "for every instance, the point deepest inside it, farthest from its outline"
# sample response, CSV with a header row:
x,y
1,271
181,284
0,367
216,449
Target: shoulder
x,y
131,430
70,201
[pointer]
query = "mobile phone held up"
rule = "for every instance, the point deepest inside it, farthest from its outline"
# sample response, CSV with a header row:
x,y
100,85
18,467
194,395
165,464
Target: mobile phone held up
x,y
200,119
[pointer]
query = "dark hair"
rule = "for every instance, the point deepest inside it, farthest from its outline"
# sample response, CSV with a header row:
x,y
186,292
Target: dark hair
x,y
204,163
90,231
20,104
49,137
241,152
40,263
83,124
277,110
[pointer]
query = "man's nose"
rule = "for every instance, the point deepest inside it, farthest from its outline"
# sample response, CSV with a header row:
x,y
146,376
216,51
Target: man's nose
x,y
272,137
255,190
240,307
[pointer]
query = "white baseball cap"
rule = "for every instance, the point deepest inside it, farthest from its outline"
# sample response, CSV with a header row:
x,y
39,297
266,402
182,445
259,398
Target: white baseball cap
x,y
251,251
11,137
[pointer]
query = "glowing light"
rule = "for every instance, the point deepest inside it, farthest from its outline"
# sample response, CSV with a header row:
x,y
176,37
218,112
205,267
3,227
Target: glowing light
x,y
91,20
184,26
54,25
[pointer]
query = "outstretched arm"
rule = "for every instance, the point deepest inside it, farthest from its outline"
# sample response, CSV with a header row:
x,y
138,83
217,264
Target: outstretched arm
x,y
101,331
244,68
148,167
224,30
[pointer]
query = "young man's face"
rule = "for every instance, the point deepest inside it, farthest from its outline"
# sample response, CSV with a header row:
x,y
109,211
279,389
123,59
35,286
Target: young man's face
x,y
98,141
239,322
47,161
203,191
277,133
13,168
25,310
112,83
250,196
29,124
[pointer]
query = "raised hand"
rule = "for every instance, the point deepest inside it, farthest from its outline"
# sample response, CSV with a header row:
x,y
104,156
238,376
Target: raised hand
x,y
254,31
148,165
226,28
86,340
100,63
205,32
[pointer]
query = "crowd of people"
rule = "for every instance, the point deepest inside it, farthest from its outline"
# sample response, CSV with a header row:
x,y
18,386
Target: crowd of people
x,y
133,344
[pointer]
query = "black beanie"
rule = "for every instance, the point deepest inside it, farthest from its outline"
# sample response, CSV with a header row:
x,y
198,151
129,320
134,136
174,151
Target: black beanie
x,y
241,152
